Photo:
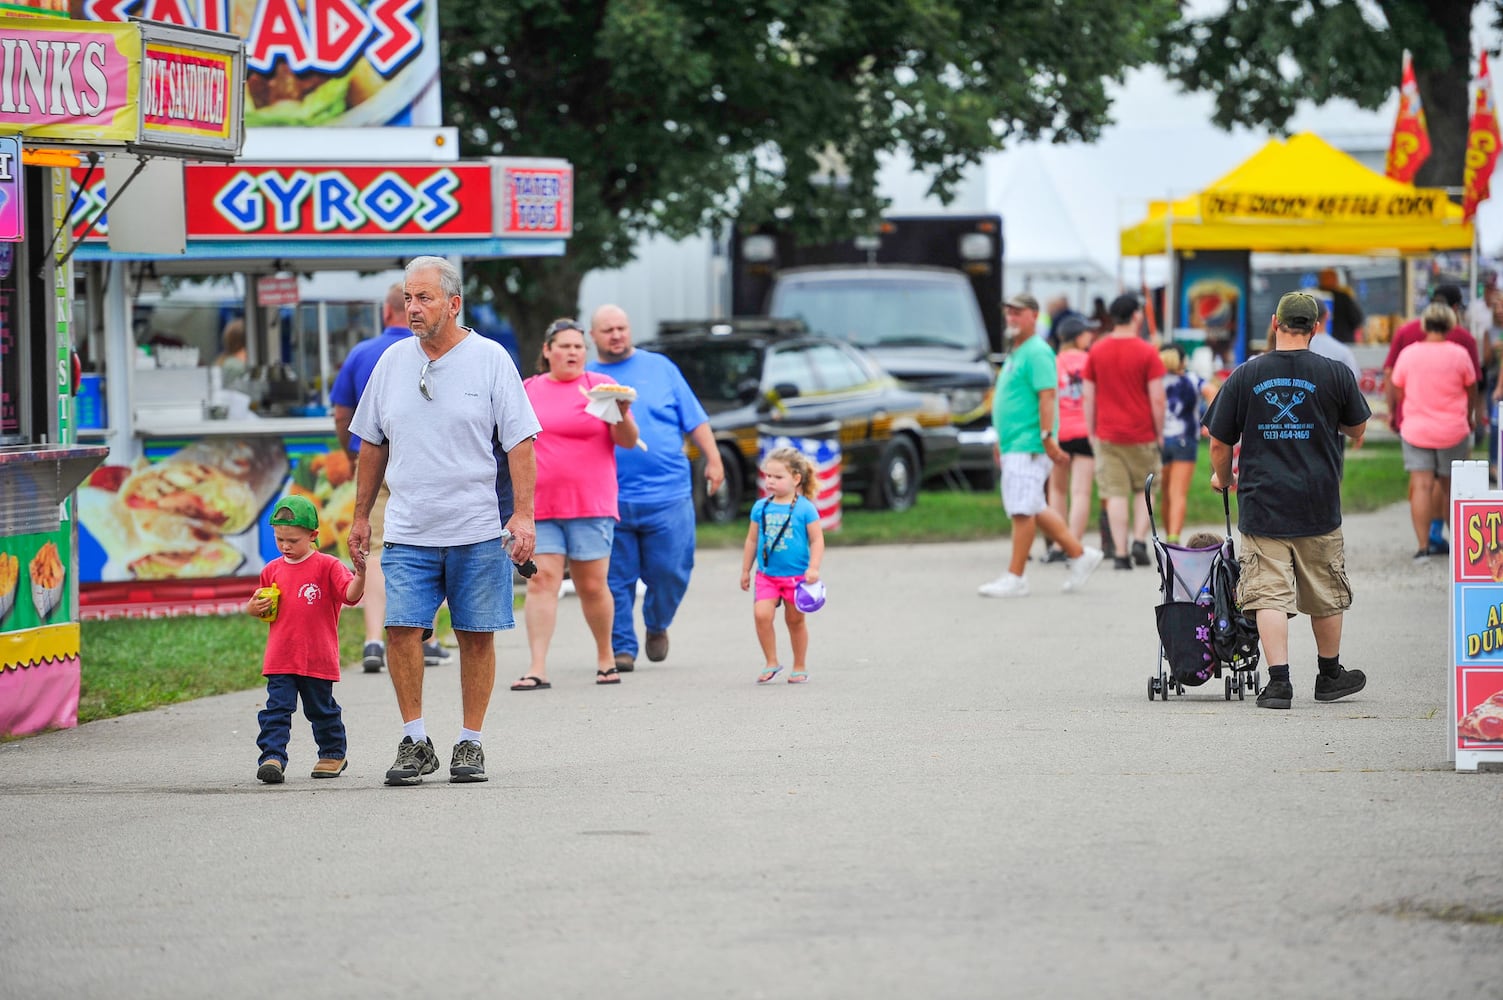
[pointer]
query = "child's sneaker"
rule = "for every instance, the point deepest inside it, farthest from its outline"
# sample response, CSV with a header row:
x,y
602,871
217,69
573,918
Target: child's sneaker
x,y
1344,683
374,657
1278,694
270,772
1005,585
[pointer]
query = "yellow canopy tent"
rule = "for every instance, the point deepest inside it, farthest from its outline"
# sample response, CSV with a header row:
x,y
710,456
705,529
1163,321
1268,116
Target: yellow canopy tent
x,y
1303,196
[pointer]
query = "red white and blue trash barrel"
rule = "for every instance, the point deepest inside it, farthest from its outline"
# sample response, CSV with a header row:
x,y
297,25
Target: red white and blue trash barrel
x,y
820,443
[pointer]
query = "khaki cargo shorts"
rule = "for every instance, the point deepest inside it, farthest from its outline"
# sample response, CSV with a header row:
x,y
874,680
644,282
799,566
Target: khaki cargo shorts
x,y
1121,468
1295,575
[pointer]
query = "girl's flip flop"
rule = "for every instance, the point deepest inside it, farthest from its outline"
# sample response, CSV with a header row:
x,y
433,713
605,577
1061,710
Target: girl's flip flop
x,y
608,676
798,677
768,674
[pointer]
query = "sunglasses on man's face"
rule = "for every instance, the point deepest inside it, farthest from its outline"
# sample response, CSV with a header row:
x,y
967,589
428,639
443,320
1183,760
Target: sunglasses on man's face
x,y
423,382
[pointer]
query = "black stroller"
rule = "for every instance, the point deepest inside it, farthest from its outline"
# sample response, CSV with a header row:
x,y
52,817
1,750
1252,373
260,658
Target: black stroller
x,y
1203,634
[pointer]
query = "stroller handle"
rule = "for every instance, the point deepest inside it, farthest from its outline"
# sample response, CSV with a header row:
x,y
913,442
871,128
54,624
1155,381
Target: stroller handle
x,y
1226,506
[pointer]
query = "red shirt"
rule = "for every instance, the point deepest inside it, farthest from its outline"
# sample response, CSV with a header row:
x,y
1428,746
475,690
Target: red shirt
x,y
1413,332
1121,368
304,638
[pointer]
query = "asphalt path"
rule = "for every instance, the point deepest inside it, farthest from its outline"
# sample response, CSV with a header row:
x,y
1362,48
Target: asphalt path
x,y
971,798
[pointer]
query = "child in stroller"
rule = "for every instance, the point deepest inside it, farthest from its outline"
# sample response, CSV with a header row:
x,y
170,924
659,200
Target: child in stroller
x,y
1202,631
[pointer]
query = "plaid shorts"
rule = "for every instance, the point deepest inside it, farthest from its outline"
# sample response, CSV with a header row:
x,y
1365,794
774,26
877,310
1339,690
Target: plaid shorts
x,y
1023,477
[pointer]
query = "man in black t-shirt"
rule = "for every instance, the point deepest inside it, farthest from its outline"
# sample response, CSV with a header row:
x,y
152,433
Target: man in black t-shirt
x,y
1289,408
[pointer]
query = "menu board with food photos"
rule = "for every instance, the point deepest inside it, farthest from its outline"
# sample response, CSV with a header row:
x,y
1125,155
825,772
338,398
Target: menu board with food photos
x,y
197,508
1476,681
34,588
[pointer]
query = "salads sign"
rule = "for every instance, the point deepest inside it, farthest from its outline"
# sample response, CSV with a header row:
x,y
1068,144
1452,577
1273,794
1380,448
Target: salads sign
x,y
316,62
392,200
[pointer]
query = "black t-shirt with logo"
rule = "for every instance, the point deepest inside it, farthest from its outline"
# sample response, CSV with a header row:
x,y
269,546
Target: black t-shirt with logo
x,y
1287,408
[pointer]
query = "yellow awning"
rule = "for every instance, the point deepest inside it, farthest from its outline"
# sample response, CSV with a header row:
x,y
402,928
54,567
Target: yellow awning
x,y
1303,196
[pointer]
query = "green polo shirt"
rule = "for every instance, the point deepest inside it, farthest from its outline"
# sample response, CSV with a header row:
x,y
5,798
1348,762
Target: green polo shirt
x,y
1028,371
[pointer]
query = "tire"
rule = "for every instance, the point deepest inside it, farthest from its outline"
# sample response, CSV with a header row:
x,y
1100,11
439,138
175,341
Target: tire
x,y
724,505
1152,685
895,482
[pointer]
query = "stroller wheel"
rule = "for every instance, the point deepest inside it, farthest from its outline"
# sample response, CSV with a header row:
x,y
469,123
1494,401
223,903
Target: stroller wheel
x,y
1257,683
1241,688
1228,689
1153,685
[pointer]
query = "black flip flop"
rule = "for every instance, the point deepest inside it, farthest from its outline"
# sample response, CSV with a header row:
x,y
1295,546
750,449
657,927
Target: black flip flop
x,y
538,684
608,676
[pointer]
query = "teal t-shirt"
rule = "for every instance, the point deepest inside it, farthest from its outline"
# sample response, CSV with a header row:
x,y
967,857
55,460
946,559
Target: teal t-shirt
x,y
1028,370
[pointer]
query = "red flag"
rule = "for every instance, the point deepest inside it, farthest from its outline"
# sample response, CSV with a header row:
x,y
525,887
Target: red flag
x,y
1481,143
1410,145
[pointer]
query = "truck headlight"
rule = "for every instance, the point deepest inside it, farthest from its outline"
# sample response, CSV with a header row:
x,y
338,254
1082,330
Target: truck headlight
x,y
965,402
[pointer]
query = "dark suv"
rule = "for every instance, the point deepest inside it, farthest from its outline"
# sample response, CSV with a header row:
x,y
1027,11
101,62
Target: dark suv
x,y
751,372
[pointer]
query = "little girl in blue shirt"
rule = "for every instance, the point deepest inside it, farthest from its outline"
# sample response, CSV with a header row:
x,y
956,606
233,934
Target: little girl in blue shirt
x,y
786,542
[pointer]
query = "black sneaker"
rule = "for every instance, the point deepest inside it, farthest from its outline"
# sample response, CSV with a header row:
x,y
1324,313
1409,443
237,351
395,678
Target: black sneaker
x,y
1278,694
413,761
374,657
1345,683
1121,562
434,654
1438,547
1140,553
468,762
1055,556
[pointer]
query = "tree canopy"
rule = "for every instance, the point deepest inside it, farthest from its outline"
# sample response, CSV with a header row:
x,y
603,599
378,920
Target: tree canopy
x,y
1260,58
679,114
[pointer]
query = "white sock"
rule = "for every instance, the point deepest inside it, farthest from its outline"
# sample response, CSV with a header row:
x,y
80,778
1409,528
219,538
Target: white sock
x,y
416,730
469,734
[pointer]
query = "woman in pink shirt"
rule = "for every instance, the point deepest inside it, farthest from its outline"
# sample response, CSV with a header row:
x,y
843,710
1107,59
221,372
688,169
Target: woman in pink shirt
x,y
574,500
1435,382
1070,484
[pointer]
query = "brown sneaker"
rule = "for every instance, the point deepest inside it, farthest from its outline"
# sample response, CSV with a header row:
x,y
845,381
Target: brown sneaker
x,y
625,663
329,767
657,646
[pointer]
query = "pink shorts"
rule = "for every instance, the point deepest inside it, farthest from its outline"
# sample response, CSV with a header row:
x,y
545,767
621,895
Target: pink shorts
x,y
770,588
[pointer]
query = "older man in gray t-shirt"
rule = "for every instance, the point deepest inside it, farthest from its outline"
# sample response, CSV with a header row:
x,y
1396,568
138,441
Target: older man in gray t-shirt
x,y
430,418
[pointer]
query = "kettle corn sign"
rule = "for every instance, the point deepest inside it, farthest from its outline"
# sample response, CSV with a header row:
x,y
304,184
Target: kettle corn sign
x,y
1252,206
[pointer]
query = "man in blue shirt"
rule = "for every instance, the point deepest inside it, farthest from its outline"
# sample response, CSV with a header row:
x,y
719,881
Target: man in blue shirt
x,y
654,539
345,394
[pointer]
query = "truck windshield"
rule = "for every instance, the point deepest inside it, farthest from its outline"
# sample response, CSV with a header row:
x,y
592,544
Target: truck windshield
x,y
716,372
885,310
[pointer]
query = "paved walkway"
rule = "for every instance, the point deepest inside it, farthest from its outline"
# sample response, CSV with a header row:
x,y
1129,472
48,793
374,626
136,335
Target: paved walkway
x,y
971,798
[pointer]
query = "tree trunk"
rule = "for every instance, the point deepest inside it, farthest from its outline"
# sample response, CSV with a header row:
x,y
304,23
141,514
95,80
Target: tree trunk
x,y
530,292
1446,94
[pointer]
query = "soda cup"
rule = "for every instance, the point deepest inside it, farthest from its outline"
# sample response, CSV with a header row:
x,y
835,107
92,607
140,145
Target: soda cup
x,y
272,594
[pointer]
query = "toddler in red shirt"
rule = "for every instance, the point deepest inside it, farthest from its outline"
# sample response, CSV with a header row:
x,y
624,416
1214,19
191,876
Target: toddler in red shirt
x,y
301,595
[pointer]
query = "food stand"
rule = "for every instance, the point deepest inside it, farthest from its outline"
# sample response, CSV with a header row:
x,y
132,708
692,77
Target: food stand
x,y
71,91
345,168
1294,196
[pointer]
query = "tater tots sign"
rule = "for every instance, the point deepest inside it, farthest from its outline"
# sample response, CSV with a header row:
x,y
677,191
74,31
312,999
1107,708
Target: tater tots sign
x,y
537,199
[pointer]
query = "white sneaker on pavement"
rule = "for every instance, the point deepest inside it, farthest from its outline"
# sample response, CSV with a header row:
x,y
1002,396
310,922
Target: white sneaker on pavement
x,y
1081,567
1005,585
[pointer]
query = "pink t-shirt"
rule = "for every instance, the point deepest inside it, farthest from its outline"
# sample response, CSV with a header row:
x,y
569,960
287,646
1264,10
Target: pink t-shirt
x,y
1071,367
575,454
304,638
1435,376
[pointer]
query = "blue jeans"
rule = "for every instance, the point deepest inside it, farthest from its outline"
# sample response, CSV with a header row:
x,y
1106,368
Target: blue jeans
x,y
654,543
319,708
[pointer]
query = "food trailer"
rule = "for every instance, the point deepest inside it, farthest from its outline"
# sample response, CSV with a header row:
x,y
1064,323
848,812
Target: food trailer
x,y
137,99
345,169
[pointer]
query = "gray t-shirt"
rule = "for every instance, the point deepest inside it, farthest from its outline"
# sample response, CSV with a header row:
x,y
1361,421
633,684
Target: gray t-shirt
x,y
441,468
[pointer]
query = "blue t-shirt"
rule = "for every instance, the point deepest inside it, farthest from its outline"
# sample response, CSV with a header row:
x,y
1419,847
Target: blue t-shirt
x,y
666,409
790,555
355,373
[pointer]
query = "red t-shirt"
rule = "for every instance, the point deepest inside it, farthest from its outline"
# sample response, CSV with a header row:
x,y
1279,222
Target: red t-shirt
x,y
1121,368
304,638
1413,332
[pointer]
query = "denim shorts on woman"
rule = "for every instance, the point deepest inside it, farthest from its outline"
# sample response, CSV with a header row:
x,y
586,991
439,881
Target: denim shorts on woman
x,y
582,539
1181,449
475,579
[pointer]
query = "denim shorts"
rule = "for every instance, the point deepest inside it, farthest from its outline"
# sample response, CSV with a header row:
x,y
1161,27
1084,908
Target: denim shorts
x,y
582,539
1182,449
475,579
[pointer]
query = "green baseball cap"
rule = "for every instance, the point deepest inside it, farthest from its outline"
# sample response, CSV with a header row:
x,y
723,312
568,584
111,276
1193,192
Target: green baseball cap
x,y
295,512
1298,311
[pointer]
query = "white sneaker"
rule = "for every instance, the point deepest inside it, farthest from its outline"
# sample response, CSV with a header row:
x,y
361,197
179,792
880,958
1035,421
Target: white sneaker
x,y
566,588
1005,585
1081,567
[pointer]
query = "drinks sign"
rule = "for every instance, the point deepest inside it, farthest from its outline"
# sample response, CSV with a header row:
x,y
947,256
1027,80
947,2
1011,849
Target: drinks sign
x,y
11,230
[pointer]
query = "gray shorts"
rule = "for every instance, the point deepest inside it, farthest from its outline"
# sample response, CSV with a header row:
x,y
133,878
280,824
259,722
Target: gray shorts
x,y
1436,460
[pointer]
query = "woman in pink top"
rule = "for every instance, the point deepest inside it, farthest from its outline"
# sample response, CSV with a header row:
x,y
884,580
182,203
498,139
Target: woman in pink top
x,y
1070,485
574,500
1435,382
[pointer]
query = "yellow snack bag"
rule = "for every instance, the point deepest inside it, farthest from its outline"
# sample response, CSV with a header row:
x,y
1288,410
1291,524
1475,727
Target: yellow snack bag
x,y
273,594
